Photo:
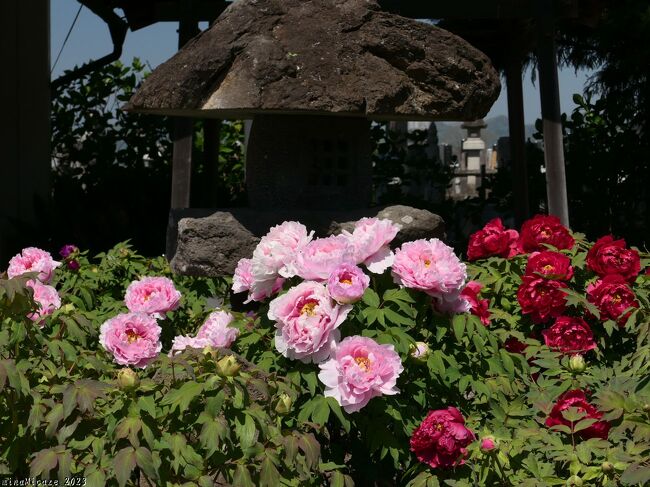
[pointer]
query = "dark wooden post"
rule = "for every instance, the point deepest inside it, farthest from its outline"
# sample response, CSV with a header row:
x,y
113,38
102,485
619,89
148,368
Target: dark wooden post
x,y
211,143
183,129
556,190
514,73
25,162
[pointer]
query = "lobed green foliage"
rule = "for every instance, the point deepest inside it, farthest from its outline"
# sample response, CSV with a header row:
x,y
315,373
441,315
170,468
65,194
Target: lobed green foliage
x,y
188,420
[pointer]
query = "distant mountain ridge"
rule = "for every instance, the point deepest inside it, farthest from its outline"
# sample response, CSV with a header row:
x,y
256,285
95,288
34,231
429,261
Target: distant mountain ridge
x,y
497,127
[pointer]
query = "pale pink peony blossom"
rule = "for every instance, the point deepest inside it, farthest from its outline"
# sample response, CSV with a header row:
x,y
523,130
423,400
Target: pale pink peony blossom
x,y
320,257
359,370
47,299
307,320
32,259
347,283
430,266
217,331
370,239
183,342
132,338
243,281
152,295
275,254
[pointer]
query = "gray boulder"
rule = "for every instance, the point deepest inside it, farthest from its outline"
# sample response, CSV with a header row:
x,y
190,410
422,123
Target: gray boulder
x,y
210,244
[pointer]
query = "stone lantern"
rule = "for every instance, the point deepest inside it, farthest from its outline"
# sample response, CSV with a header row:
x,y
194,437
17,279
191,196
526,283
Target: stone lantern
x,y
312,75
473,152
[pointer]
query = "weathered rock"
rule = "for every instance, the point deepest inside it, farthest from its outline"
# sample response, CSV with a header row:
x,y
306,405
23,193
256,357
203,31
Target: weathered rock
x,y
211,246
211,243
343,57
415,223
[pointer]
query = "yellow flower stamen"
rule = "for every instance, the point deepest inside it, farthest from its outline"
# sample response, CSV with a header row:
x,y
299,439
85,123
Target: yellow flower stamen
x,y
363,363
308,309
132,336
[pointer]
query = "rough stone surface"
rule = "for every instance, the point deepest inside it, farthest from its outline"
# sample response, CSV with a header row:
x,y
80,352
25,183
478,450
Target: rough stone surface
x,y
415,223
211,246
345,57
211,243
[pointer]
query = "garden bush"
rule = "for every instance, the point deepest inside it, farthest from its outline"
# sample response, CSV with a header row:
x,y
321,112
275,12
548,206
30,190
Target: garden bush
x,y
359,365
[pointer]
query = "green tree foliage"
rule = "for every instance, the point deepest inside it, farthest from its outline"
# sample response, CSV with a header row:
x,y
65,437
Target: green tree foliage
x,y
112,169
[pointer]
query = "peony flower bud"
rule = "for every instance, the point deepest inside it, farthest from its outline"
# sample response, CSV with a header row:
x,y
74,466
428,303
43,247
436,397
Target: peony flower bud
x,y
488,444
607,467
577,364
574,481
127,379
228,366
284,404
420,351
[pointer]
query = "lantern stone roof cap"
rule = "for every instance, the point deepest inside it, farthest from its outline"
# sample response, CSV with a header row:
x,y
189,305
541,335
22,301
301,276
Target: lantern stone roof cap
x,y
474,124
321,57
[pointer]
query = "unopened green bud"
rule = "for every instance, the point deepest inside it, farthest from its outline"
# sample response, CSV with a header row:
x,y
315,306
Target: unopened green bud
x,y
607,467
284,404
127,379
420,351
574,481
228,366
577,364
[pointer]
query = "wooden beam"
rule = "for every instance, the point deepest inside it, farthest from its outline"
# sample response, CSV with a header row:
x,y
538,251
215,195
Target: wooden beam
x,y
517,129
556,190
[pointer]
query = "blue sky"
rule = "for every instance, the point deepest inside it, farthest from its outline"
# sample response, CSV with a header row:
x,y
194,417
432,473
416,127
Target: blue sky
x,y
154,44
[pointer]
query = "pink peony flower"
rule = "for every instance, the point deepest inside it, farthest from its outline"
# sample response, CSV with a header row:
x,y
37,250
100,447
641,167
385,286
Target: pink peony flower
x,y
47,299
274,256
152,295
216,330
182,342
132,338
431,266
370,239
32,259
347,284
243,281
320,257
442,438
277,249
359,370
307,320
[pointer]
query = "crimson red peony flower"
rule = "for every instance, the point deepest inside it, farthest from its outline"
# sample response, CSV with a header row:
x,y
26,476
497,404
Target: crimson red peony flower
x,y
544,229
549,265
493,240
514,345
612,296
577,399
478,307
542,299
441,439
569,335
609,256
